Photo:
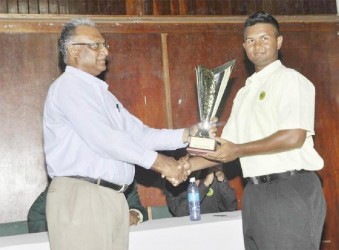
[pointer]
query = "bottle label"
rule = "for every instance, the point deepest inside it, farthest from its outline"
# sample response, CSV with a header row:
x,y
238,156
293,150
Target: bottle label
x,y
193,197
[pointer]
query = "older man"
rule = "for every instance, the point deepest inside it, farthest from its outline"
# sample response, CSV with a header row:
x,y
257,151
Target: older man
x,y
92,144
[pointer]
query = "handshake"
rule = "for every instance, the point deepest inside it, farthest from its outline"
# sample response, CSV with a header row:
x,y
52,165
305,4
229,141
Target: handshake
x,y
175,171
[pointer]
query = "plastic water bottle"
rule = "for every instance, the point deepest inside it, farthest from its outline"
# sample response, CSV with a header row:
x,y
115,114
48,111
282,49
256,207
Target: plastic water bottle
x,y
193,197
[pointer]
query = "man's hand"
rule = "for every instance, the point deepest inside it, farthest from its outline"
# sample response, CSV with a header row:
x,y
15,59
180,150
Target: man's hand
x,y
211,127
219,173
134,217
184,162
209,179
193,130
212,131
226,151
170,168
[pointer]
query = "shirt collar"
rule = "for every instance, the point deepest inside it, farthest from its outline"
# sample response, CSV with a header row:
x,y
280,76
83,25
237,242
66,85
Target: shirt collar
x,y
268,70
86,77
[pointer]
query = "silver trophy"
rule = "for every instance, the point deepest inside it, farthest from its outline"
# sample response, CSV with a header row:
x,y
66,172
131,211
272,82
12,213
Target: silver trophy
x,y
211,85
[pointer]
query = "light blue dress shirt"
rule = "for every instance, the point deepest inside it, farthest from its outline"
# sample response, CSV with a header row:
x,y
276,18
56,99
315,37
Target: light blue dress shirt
x,y
88,132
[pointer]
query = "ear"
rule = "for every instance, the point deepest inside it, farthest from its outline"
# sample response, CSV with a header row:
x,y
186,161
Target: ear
x,y
73,51
279,41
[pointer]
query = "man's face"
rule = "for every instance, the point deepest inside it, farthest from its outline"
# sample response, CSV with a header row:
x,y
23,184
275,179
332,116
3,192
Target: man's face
x,y
262,43
86,58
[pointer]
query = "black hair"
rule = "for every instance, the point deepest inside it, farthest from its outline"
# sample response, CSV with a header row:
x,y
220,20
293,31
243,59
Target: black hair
x,y
262,17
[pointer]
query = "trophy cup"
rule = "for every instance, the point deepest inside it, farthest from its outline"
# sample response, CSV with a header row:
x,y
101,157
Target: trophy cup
x,y
211,85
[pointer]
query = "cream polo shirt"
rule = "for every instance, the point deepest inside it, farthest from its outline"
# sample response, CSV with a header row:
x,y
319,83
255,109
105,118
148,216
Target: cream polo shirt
x,y
275,98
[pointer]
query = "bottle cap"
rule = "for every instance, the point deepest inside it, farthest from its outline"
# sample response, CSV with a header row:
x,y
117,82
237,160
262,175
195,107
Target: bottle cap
x,y
192,179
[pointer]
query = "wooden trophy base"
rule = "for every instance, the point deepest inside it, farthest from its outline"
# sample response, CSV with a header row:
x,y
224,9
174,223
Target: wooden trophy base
x,y
199,146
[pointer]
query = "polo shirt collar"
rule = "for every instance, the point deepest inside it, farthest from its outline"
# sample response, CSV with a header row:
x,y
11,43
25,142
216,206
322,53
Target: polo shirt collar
x,y
268,70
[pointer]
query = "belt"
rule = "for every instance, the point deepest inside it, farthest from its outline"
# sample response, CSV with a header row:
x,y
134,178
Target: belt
x,y
274,177
102,182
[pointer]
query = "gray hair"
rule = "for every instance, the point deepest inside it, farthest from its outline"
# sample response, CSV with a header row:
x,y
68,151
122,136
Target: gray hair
x,y
68,32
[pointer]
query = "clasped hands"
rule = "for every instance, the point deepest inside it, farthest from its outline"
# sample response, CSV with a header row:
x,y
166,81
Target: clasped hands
x,y
171,169
177,171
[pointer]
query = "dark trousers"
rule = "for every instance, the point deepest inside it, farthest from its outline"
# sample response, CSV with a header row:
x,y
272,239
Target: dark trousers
x,y
284,214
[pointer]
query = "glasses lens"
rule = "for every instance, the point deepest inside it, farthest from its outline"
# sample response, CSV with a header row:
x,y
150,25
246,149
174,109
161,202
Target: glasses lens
x,y
94,46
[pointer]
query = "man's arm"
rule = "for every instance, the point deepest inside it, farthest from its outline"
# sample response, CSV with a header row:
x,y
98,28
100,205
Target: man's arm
x,y
282,140
177,204
227,199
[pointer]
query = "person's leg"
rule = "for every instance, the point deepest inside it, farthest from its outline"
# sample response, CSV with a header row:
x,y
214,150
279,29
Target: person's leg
x,y
118,214
247,217
283,214
310,194
85,216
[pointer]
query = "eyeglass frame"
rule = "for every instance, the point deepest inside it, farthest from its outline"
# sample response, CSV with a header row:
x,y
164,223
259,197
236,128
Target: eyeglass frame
x,y
100,45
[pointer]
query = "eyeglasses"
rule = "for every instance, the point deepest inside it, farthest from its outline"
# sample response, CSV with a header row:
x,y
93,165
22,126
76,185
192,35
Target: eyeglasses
x,y
94,46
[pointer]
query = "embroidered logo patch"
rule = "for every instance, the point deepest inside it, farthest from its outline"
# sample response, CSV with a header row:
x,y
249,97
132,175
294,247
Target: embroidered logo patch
x,y
210,192
262,95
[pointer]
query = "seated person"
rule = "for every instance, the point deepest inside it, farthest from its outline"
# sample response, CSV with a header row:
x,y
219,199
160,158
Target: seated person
x,y
215,193
37,213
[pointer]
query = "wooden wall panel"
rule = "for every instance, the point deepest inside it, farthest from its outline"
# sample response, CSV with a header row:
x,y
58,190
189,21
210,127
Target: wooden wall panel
x,y
136,74
28,66
168,7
